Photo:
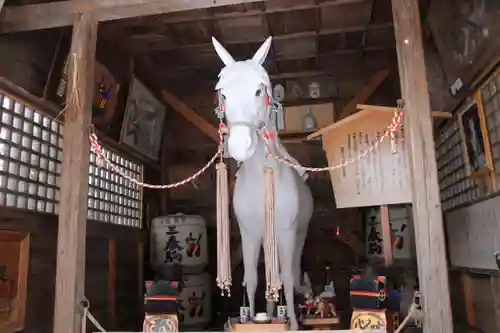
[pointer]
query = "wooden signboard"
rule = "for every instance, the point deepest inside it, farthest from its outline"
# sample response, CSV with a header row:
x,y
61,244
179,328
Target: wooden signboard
x,y
381,177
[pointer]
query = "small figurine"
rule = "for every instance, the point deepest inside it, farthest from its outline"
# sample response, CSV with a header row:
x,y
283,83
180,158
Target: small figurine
x,y
307,293
324,308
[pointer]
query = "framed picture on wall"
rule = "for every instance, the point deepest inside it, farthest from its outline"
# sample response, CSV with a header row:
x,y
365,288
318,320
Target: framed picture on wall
x,y
143,121
474,137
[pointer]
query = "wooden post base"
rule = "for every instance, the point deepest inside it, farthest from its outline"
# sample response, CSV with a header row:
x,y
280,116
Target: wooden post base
x,y
275,325
322,324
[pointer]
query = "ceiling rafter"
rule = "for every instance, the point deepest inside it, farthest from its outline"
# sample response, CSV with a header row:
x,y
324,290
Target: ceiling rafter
x,y
256,12
62,13
305,34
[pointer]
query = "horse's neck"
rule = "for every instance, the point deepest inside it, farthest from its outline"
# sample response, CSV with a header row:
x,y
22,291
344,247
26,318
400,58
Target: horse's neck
x,y
260,158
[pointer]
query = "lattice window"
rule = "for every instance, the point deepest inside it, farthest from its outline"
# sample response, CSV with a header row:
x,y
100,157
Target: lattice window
x,y
30,150
490,94
112,198
455,187
30,169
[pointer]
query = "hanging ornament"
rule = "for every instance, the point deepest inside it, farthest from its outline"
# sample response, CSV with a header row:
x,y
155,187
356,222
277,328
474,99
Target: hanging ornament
x,y
279,92
314,90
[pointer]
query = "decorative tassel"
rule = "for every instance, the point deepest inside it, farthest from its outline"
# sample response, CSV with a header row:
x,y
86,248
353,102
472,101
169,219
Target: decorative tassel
x,y
273,281
223,235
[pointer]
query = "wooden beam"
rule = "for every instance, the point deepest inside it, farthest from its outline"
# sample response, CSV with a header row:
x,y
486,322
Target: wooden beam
x,y
194,118
365,92
60,14
427,214
70,272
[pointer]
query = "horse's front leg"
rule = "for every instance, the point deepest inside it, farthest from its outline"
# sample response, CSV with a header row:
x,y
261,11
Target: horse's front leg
x,y
286,242
251,251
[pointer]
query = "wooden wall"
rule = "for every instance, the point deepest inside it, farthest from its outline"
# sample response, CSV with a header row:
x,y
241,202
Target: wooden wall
x,y
469,203
113,253
26,58
42,270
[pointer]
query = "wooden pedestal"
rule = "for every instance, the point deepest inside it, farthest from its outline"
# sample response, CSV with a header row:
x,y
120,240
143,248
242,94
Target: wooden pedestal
x,y
322,324
276,325
370,319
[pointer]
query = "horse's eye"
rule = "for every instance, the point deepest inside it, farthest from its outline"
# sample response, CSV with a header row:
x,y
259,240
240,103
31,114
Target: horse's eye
x,y
257,93
223,97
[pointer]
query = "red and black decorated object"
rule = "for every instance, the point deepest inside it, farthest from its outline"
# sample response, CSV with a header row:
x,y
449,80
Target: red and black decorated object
x,y
368,293
162,297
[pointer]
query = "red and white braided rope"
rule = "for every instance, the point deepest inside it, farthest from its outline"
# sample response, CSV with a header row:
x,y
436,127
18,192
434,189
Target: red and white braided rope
x,y
98,150
391,130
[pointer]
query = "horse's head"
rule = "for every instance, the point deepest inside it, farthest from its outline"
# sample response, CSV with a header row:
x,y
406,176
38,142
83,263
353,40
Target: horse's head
x,y
244,92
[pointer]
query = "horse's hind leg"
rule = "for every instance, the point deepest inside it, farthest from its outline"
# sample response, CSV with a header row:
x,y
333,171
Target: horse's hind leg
x,y
286,241
251,251
297,257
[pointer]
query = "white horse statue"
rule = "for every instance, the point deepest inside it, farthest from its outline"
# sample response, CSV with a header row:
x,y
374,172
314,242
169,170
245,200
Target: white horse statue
x,y
245,92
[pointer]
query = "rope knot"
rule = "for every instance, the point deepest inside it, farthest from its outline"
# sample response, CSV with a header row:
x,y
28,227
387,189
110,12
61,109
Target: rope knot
x,y
267,135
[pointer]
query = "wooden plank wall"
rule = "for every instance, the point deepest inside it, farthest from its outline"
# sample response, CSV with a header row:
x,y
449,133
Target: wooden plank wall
x,y
42,268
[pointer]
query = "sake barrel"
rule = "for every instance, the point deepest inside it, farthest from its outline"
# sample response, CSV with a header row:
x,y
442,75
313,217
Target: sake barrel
x,y
179,239
195,311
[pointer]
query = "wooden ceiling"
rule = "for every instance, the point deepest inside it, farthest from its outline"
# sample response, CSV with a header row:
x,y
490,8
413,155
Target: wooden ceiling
x,y
345,41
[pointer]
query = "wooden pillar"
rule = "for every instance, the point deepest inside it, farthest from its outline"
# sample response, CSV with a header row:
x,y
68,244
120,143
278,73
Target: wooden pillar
x,y
385,226
140,273
468,290
427,214
495,289
70,272
111,283
164,194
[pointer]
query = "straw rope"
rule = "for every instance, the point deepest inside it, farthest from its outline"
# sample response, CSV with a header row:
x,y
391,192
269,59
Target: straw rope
x,y
223,233
273,281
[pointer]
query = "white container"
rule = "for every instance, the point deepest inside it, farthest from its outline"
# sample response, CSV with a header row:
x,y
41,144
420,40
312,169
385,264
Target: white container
x,y
180,239
196,300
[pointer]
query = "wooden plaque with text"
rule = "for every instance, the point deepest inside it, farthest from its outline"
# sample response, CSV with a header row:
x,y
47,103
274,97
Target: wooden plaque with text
x,y
380,178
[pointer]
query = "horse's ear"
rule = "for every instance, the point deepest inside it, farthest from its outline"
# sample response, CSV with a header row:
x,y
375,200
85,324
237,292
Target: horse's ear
x,y
261,54
226,58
